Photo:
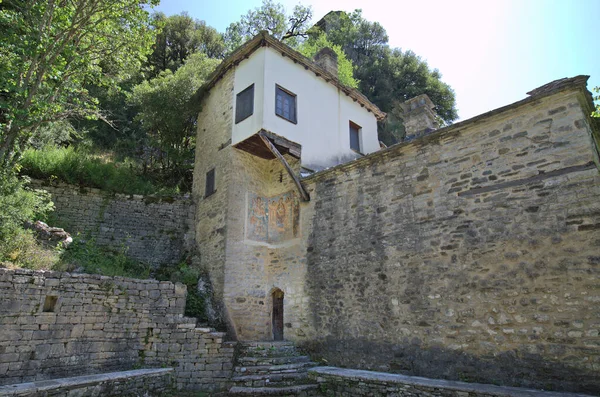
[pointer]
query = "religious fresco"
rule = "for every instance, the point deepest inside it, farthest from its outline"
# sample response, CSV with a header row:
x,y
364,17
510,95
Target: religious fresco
x,y
272,219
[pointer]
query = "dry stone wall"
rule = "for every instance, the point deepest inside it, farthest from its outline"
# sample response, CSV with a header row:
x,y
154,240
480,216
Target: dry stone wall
x,y
154,230
54,325
471,254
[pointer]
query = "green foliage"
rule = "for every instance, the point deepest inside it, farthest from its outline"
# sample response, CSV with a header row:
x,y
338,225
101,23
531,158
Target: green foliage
x,y
311,46
52,51
55,133
183,273
87,257
180,36
386,76
80,168
270,16
19,203
596,113
168,107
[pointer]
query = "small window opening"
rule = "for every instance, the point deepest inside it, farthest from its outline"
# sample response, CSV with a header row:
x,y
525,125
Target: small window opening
x,y
355,137
244,104
285,104
280,176
210,183
50,304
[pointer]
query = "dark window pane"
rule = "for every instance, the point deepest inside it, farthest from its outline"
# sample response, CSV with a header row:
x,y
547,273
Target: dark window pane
x,y
285,104
244,104
354,137
210,183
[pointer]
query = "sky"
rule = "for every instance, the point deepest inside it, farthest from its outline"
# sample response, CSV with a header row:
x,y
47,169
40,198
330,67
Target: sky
x,y
491,52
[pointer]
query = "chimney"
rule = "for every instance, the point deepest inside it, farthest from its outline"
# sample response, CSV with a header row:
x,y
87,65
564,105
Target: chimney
x,y
327,59
419,117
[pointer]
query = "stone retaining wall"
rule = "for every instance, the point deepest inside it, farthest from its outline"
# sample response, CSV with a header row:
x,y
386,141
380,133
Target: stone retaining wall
x,y
54,325
153,230
135,383
334,382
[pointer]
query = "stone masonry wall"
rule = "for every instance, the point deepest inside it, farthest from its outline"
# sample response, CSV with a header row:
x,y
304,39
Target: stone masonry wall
x,y
54,325
213,151
471,254
153,230
340,382
255,269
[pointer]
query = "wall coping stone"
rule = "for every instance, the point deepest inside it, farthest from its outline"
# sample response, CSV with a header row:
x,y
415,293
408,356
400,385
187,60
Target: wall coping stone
x,y
377,377
575,84
76,382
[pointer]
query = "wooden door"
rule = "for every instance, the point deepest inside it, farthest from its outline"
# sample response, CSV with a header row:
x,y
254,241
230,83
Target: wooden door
x,y
278,315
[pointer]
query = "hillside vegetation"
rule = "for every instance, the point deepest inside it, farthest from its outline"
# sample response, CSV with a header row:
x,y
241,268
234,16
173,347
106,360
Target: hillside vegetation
x,y
105,93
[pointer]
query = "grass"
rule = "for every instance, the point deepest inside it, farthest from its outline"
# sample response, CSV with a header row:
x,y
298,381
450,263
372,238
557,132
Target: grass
x,y
83,256
81,168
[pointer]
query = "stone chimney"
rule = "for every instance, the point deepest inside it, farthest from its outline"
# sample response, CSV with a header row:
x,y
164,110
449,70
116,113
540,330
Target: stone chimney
x,y
327,59
419,117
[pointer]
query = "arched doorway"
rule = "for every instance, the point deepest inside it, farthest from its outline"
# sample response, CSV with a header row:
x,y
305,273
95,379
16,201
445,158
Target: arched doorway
x,y
277,324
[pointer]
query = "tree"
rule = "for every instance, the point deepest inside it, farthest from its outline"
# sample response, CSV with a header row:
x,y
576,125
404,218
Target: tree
x,y
345,69
180,36
53,50
168,108
272,18
596,113
386,76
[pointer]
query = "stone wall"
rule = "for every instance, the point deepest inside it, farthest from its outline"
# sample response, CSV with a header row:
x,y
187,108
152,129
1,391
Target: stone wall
x,y
54,325
470,254
134,383
342,382
255,269
213,151
154,230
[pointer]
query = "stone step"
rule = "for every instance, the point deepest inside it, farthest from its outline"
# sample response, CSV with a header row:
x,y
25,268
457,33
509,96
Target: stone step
x,y
273,369
263,380
296,390
269,343
269,351
249,361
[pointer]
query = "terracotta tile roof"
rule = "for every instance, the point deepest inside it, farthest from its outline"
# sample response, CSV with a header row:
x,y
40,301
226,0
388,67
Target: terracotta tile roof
x,y
263,39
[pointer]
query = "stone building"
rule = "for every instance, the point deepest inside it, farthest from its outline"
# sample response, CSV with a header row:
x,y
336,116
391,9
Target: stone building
x,y
467,252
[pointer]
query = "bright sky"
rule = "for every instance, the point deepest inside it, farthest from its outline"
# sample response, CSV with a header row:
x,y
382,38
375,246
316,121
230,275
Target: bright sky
x,y
491,52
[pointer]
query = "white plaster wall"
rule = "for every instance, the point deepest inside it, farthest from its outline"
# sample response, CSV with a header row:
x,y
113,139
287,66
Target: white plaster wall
x,y
249,71
323,114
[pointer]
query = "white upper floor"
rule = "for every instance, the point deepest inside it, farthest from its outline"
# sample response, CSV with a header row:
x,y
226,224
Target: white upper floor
x,y
278,90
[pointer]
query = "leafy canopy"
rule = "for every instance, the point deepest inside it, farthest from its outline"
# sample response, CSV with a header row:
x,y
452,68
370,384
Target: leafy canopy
x,y
180,36
53,50
272,17
168,106
386,76
596,113
314,44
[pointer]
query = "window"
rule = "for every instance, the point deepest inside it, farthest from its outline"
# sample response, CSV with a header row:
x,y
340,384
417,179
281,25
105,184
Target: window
x,y
210,183
285,104
244,104
355,137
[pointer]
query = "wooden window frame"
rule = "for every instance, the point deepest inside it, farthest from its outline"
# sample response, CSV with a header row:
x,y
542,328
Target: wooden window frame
x,y
359,133
239,118
288,92
209,192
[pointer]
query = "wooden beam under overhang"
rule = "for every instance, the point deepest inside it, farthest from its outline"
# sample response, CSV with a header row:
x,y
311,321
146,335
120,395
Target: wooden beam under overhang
x,y
255,146
303,193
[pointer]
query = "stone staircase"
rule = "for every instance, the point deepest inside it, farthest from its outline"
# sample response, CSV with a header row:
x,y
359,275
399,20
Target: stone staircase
x,y
271,369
